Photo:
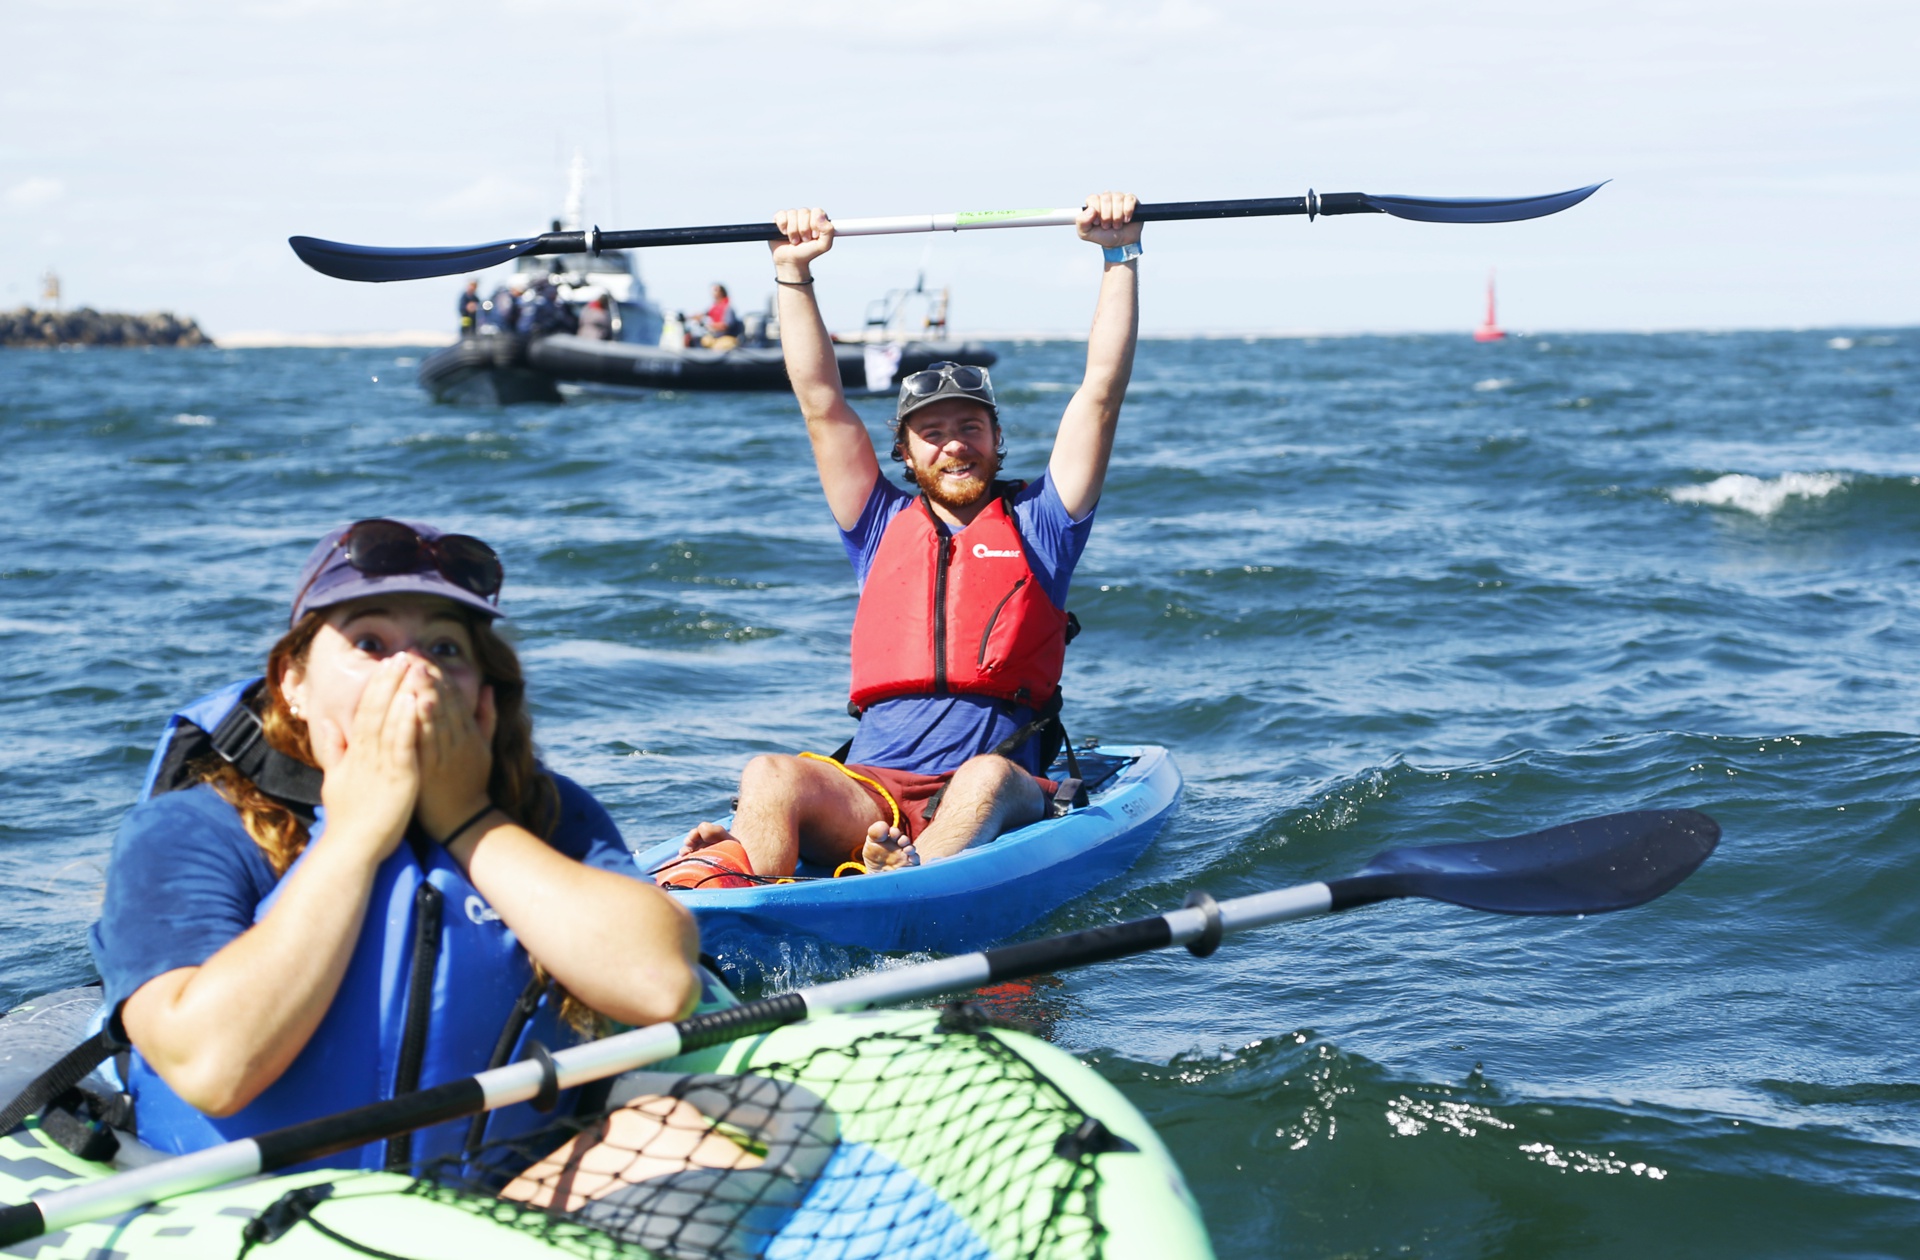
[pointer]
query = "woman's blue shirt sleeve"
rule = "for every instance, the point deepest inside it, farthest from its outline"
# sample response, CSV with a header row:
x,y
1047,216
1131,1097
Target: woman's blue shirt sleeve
x,y
184,879
586,832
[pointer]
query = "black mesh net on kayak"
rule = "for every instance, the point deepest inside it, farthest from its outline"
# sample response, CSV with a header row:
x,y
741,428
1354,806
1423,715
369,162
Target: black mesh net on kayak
x,y
900,1144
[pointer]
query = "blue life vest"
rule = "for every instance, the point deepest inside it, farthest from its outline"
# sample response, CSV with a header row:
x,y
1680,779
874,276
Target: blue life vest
x,y
205,714
438,988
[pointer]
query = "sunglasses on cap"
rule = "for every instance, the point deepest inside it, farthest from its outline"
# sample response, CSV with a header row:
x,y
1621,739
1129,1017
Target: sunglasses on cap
x,y
966,378
383,548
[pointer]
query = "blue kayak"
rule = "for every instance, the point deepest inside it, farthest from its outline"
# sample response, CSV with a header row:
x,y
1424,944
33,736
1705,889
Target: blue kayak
x,y
960,903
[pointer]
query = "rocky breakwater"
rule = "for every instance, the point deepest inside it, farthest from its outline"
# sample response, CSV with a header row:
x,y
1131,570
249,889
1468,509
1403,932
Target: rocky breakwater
x,y
88,327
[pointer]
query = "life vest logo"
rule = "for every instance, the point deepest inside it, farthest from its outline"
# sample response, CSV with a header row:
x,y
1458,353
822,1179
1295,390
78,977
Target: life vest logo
x,y
983,552
480,912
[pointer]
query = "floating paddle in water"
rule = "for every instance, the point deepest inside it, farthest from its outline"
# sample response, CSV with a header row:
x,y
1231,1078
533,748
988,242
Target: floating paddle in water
x,y
378,263
1588,867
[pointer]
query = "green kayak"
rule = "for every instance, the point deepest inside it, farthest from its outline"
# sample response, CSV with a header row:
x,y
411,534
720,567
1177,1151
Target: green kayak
x,y
883,1134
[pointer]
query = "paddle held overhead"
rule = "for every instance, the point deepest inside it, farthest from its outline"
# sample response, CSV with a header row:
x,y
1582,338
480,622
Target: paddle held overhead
x,y
379,263
1587,867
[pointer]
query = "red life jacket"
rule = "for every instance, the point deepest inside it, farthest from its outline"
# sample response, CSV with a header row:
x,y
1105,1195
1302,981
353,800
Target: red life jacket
x,y
960,614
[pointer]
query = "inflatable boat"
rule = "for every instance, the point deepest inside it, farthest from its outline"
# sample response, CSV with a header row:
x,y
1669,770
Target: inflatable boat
x,y
506,368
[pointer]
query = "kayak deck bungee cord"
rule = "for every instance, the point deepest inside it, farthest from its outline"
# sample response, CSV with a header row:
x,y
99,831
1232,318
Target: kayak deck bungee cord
x,y
888,1133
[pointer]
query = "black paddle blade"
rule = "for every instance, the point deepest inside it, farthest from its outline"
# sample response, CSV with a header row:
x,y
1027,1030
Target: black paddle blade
x,y
1587,867
377,263
1479,209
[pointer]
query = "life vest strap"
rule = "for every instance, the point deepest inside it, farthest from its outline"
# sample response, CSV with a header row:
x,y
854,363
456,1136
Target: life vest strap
x,y
242,742
517,1020
428,911
72,1068
1047,721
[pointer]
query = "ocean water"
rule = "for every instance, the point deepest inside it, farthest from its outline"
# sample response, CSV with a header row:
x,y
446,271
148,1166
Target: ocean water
x,y
1371,591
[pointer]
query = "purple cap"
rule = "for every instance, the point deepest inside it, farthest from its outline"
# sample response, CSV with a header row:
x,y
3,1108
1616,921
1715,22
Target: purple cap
x,y
328,578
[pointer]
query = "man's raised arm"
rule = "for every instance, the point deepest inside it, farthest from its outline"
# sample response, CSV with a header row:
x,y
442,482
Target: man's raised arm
x,y
841,448
1084,444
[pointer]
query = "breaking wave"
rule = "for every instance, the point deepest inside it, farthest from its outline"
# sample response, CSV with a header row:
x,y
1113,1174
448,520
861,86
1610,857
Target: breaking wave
x,y
1761,496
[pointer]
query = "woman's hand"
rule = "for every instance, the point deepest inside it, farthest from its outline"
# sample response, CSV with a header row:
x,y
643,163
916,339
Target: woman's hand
x,y
809,234
456,755
372,773
1107,219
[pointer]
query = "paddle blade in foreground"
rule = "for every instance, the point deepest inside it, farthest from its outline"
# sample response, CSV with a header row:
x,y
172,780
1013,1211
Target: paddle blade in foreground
x,y
1587,867
1479,209
377,263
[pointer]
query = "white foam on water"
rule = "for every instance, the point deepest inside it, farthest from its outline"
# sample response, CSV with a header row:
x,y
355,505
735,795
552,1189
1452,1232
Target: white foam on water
x,y
1759,495
188,418
1490,384
1839,343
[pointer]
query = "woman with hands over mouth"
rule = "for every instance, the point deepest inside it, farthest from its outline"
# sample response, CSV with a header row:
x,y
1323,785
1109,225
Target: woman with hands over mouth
x,y
352,878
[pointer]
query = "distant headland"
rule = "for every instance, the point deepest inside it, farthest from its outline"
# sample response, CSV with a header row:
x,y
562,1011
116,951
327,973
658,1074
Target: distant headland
x,y
46,330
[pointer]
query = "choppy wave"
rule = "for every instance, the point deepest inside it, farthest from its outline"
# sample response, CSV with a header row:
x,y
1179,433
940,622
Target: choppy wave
x,y
1475,1166
1761,496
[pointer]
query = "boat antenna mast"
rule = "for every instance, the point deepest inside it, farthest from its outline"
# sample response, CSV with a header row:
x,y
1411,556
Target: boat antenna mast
x,y
573,209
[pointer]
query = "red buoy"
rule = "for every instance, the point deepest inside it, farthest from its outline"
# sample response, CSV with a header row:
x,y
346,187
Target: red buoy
x,y
1490,331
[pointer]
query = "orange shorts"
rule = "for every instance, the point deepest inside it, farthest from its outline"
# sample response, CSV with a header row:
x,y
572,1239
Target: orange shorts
x,y
915,793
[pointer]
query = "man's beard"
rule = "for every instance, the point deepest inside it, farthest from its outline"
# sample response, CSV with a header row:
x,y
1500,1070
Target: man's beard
x,y
928,479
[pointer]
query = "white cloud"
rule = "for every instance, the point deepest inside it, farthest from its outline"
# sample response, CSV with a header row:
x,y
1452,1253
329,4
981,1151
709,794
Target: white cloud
x,y
35,190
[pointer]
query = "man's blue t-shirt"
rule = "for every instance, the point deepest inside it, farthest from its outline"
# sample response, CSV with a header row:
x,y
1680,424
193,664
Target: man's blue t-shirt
x,y
185,879
936,734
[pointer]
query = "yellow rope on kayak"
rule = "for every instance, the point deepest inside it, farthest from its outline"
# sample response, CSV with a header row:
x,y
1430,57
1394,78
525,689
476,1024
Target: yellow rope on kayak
x,y
857,868
860,778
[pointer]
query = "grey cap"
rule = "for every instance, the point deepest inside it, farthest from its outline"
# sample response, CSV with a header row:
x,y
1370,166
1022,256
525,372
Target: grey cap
x,y
946,387
328,578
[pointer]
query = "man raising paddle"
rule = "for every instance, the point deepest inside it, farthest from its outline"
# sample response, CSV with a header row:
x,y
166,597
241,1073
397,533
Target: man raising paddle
x,y
961,630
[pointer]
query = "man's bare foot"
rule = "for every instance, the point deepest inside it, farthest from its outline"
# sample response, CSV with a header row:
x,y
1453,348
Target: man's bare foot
x,y
703,835
887,849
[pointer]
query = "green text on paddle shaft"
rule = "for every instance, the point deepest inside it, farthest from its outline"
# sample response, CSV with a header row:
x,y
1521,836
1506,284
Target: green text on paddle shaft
x,y
967,218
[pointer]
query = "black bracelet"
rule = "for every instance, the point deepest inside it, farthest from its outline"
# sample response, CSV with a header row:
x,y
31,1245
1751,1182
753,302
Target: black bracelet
x,y
795,284
461,830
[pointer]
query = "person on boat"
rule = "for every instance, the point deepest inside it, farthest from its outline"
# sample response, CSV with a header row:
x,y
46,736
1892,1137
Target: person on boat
x,y
720,327
542,313
719,317
503,307
952,740
596,324
470,309
352,878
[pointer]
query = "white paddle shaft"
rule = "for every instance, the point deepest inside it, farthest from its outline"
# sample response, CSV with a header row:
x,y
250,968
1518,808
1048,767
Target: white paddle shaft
x,y
960,221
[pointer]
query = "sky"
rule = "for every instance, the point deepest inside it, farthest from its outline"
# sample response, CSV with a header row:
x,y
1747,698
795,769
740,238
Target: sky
x,y
1765,156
